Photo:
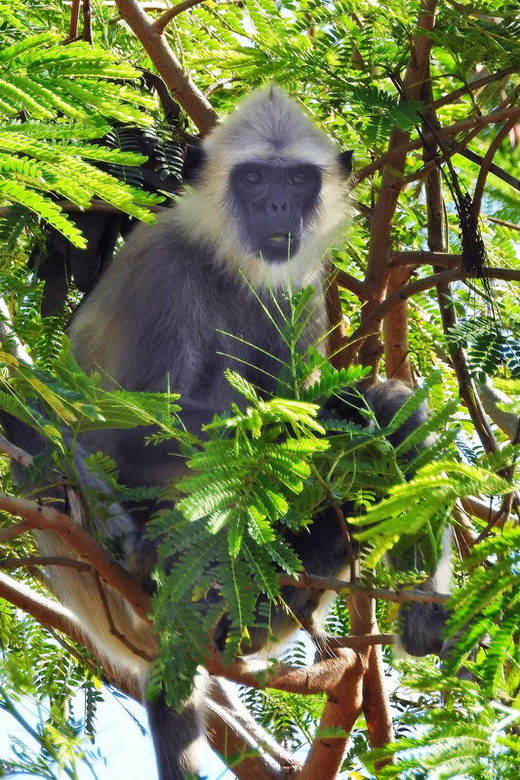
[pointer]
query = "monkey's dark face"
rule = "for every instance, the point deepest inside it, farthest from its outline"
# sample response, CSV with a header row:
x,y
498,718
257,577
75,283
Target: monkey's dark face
x,y
273,203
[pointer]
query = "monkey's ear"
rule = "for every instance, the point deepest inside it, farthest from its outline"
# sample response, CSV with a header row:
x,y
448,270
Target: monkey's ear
x,y
194,158
345,161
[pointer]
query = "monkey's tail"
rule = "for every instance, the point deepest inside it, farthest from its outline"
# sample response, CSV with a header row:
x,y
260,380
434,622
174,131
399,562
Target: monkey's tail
x,y
177,736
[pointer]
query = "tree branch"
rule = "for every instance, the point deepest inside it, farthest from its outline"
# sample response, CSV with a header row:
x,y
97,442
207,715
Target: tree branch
x,y
420,285
345,588
163,21
377,273
486,164
394,154
51,519
443,259
168,65
473,86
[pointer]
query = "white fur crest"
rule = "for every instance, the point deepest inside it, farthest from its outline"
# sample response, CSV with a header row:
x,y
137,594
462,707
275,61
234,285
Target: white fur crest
x,y
267,125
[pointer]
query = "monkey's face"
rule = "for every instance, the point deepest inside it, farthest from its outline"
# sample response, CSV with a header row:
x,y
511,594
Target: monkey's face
x,y
274,202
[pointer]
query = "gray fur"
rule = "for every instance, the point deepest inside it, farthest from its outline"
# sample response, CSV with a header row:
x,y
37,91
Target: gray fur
x,y
160,318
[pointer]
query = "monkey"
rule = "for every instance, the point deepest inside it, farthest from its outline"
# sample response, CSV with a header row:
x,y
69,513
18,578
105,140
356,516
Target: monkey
x,y
202,290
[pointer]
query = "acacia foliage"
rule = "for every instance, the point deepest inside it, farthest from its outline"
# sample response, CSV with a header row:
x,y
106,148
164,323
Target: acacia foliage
x,y
346,61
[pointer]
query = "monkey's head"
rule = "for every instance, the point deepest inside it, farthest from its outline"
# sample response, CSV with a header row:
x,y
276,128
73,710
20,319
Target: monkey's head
x,y
271,191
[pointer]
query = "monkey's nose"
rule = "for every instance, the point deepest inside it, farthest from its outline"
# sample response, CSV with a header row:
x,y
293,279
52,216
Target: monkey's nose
x,y
278,206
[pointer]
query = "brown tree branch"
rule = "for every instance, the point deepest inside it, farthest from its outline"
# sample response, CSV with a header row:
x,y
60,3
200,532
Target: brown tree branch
x,y
395,331
353,341
471,87
87,22
500,173
395,154
345,588
503,222
51,519
350,282
486,164
15,453
163,21
392,181
343,707
322,676
44,560
439,259
74,20
168,65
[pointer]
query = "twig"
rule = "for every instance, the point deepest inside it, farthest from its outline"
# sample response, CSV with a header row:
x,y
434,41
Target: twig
x,y
443,259
357,641
112,626
395,153
44,560
469,154
163,21
420,285
347,588
340,517
472,86
486,164
503,222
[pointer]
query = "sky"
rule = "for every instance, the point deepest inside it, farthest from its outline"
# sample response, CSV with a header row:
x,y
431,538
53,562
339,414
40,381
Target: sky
x,y
127,751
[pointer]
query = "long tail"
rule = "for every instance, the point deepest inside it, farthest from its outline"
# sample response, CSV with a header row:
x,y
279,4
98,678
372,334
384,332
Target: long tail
x,y
177,737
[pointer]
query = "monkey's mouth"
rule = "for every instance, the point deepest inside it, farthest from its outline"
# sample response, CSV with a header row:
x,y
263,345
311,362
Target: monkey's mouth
x,y
279,246
278,238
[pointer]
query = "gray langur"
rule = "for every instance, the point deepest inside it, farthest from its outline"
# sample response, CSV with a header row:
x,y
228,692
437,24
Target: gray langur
x,y
200,291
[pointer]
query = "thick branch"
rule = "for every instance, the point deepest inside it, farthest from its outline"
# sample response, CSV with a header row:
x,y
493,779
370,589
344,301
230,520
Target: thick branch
x,y
343,707
168,65
47,612
350,282
323,676
391,184
51,519
395,331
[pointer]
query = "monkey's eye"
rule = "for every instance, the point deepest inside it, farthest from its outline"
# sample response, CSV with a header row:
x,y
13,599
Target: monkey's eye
x,y
253,177
298,177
